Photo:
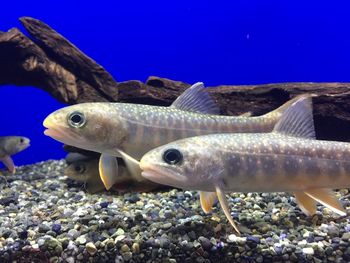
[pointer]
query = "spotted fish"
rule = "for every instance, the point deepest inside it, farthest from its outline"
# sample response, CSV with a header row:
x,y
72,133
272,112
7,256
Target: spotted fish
x,y
84,169
10,145
130,130
288,159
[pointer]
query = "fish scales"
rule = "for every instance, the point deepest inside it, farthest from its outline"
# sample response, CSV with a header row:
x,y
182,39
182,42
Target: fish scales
x,y
286,163
287,159
166,125
130,130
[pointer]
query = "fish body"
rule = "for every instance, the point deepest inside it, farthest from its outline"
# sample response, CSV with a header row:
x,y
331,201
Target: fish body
x,y
130,130
286,159
267,162
10,145
84,169
139,128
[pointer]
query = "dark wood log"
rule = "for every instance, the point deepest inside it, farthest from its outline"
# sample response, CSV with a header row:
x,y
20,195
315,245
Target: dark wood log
x,y
50,62
71,58
32,63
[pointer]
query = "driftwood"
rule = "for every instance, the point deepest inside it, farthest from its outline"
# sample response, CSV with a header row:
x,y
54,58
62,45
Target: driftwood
x,y
50,62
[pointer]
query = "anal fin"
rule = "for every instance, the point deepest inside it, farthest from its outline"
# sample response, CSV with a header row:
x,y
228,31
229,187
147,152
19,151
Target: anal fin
x,y
207,200
306,203
225,207
327,198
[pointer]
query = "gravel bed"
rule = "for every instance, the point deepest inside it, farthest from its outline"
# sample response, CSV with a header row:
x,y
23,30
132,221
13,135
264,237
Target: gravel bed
x,y
45,217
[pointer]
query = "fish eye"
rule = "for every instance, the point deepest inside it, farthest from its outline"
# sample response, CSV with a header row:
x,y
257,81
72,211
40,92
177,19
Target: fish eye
x,y
172,156
76,119
79,168
21,140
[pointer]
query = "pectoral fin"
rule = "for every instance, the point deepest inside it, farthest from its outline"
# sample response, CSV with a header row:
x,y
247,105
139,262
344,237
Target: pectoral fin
x,y
8,162
225,207
207,200
133,166
328,199
306,203
108,168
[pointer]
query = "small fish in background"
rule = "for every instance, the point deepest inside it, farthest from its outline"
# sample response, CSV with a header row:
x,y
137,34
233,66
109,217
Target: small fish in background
x,y
10,145
130,130
289,159
83,168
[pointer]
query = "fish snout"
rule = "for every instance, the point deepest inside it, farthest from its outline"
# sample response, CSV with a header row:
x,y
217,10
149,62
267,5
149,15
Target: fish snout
x,y
161,174
48,122
144,165
25,141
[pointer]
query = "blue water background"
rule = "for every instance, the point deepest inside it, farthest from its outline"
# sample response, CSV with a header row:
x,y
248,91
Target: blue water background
x,y
217,42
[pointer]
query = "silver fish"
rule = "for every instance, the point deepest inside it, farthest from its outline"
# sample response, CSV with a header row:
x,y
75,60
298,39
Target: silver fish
x,y
289,159
130,130
10,145
84,169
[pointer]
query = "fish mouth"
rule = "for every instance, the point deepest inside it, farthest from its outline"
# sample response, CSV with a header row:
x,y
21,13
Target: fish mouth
x,y
50,130
26,145
162,176
60,134
56,134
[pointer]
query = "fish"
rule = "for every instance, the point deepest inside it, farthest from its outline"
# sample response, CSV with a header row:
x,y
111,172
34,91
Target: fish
x,y
83,168
10,145
129,131
288,159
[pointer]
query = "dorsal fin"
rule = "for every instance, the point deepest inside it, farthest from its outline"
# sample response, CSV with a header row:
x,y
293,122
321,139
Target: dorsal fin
x,y
196,99
297,120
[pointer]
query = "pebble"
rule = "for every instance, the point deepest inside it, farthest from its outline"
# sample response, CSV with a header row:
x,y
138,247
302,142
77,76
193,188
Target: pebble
x,y
136,248
91,248
308,251
81,240
73,233
119,238
125,248
67,224
166,225
127,256
56,228
119,232
43,228
346,236
205,242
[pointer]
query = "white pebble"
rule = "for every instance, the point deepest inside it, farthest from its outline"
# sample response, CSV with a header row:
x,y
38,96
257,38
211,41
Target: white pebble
x,y
308,250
